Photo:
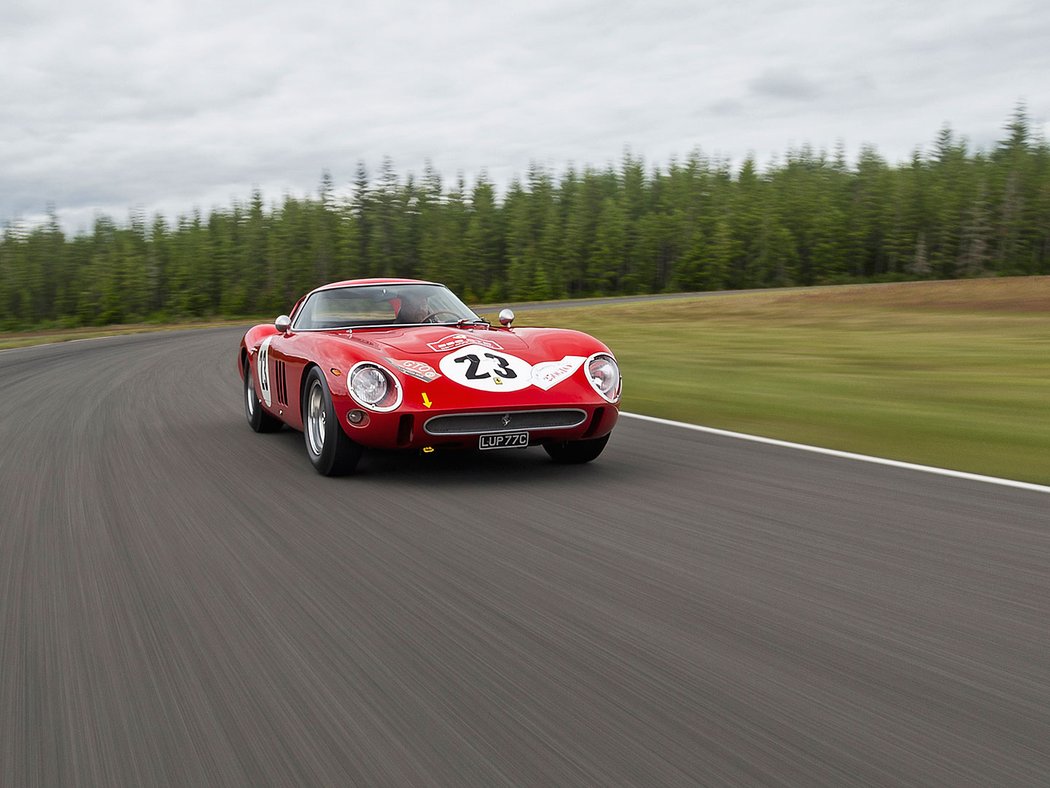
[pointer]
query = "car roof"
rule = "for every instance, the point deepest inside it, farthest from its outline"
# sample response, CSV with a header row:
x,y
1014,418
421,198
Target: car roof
x,y
378,281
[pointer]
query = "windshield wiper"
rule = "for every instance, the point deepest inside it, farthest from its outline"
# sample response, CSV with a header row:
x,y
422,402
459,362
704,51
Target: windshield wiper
x,y
476,321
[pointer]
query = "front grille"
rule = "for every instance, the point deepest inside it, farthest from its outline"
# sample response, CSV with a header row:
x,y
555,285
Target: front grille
x,y
472,423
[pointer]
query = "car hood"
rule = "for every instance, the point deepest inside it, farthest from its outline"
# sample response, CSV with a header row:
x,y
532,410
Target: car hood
x,y
478,364
438,340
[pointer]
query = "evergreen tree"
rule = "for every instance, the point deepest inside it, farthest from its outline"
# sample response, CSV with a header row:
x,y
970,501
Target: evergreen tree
x,y
609,250
699,223
483,243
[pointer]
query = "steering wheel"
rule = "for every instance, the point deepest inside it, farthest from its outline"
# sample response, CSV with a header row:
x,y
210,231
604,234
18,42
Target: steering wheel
x,y
430,316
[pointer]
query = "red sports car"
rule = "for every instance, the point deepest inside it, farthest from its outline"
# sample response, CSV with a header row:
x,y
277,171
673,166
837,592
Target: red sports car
x,y
404,364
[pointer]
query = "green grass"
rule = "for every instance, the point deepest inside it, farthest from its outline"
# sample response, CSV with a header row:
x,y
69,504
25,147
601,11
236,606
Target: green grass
x,y
948,374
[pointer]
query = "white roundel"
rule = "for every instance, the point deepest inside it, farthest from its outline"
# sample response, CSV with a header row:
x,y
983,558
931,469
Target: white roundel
x,y
262,363
484,369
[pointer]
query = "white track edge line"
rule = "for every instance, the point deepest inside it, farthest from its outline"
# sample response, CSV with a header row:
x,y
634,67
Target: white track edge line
x,y
71,341
910,466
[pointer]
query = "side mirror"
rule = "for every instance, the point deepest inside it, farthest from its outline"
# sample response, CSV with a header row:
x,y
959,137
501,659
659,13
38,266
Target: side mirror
x,y
283,323
506,317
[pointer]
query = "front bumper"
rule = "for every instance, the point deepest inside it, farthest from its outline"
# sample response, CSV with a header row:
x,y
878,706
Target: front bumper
x,y
415,429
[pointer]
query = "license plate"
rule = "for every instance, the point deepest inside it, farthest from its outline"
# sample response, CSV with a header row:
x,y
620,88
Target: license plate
x,y
503,440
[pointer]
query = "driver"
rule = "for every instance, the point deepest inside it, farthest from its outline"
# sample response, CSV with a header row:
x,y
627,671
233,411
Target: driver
x,y
414,307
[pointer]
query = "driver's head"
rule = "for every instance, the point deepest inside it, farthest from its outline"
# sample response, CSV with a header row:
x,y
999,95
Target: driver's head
x,y
413,307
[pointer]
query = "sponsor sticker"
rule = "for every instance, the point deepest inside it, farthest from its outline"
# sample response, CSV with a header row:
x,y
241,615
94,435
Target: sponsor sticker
x,y
416,369
549,374
456,341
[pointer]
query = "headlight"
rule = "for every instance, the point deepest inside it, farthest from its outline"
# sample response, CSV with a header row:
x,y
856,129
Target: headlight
x,y
374,387
604,375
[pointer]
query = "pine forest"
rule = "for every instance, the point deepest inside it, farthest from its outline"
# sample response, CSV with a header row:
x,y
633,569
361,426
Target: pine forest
x,y
697,224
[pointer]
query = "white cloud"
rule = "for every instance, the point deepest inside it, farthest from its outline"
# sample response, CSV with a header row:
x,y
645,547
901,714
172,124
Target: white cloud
x,y
113,105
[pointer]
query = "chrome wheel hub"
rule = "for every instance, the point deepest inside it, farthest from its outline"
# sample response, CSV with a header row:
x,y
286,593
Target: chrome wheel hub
x,y
315,419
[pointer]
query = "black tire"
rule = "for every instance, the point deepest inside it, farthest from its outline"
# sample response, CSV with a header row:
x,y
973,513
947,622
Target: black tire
x,y
258,419
575,452
329,448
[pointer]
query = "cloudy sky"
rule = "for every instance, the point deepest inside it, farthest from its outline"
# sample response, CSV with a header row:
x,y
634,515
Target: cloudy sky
x,y
165,106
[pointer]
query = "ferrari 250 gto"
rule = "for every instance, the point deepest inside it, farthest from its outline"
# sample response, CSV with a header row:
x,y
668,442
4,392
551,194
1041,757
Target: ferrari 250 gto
x,y
404,364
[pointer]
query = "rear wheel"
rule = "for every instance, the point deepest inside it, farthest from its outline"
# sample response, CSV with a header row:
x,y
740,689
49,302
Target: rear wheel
x,y
330,450
258,419
575,452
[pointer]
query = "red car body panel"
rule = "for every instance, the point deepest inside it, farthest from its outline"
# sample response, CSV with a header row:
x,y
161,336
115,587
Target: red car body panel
x,y
437,368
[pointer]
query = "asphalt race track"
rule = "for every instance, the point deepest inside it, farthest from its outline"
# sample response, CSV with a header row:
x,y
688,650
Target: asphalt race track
x,y
184,602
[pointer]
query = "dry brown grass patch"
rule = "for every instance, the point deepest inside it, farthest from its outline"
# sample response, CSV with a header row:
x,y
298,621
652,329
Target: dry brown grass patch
x,y
1022,294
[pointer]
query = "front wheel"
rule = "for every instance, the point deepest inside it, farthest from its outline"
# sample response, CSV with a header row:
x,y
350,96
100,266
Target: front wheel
x,y
330,450
575,452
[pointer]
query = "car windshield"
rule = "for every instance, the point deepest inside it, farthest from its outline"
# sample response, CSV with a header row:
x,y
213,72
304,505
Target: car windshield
x,y
359,306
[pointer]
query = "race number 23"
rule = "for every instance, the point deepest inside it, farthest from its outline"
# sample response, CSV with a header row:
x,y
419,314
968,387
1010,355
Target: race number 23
x,y
484,369
499,367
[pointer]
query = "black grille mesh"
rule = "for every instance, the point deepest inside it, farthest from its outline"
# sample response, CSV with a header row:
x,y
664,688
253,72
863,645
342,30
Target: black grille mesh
x,y
471,423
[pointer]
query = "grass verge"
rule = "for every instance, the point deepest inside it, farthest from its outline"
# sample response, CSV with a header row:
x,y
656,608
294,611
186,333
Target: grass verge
x,y
952,374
